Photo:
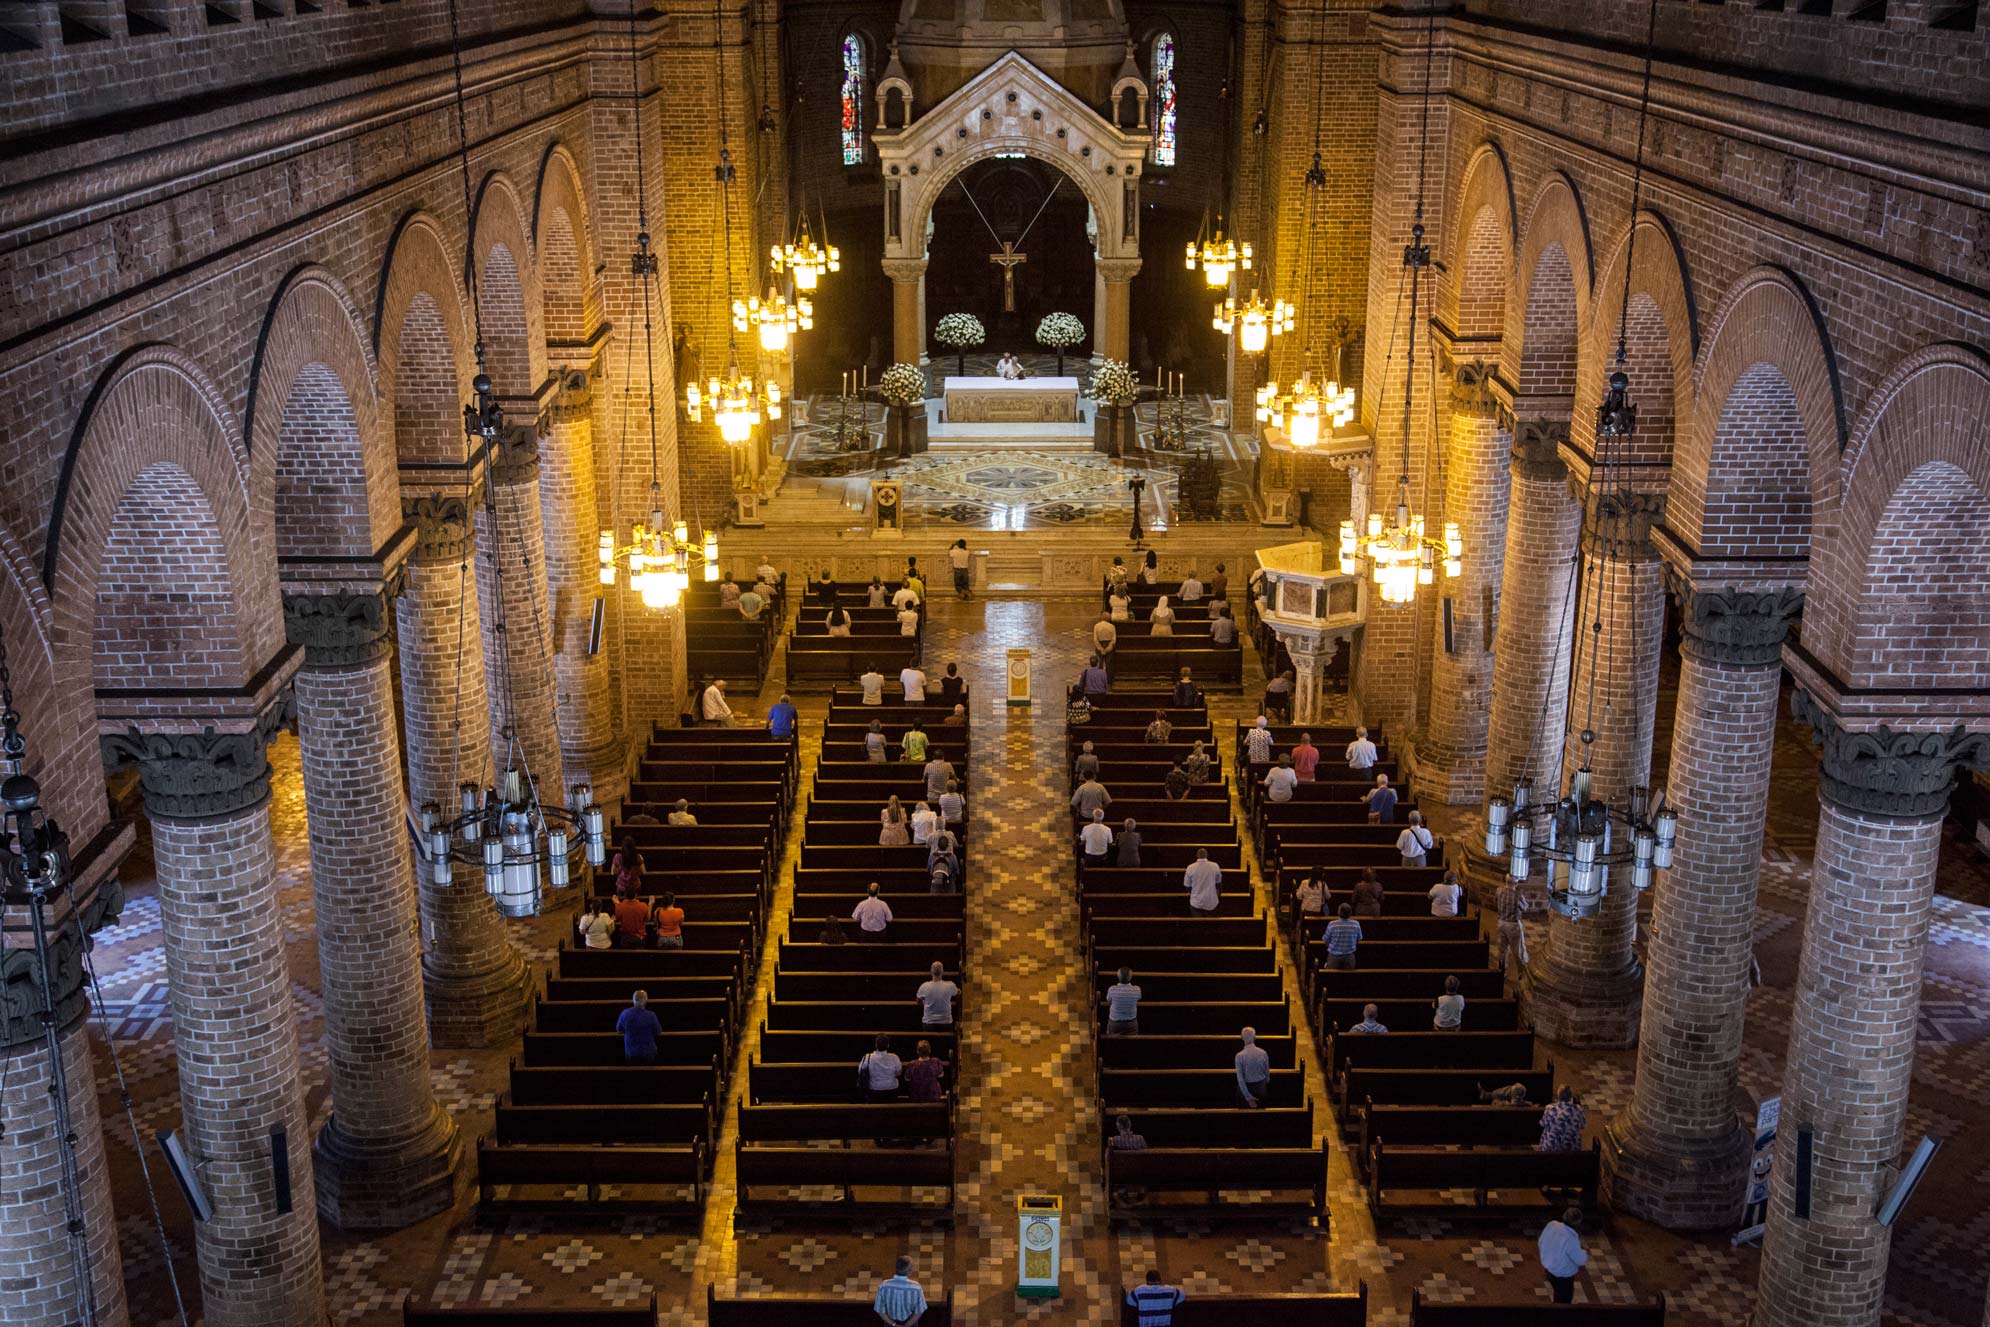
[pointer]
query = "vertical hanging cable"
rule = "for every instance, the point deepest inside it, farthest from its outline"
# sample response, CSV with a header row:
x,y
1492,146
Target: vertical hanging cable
x,y
644,265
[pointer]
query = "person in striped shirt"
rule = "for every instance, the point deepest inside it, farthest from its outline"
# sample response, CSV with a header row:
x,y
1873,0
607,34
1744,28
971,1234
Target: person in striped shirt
x,y
1343,938
1154,1302
900,1301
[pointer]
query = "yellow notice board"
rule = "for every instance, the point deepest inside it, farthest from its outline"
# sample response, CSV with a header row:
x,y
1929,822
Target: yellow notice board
x,y
1039,1237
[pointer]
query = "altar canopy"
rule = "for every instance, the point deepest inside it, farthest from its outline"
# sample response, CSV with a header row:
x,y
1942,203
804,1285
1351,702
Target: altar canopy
x,y
1011,401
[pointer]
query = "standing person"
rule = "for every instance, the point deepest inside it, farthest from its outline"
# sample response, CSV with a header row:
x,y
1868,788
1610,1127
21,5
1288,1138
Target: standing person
x,y
1278,696
1161,622
905,596
1253,1072
1305,758
1196,764
1311,898
627,869
953,686
767,571
1091,795
1222,627
837,620
1361,752
1191,587
1415,842
1343,939
874,593
1280,780
874,743
1116,577
1150,570
1154,1303
729,593
912,746
900,1302
1562,1124
953,807
1219,584
881,1071
1368,894
1450,1008
925,1074
913,679
936,998
1086,766
1159,730
1095,680
1095,840
914,579
597,928
1128,844
925,821
1104,635
873,684
667,921
1381,802
1445,894
961,562
1186,696
1123,1006
939,772
712,705
1258,743
1562,1254
872,915
1510,905
640,1029
893,830
908,622
782,717
1204,881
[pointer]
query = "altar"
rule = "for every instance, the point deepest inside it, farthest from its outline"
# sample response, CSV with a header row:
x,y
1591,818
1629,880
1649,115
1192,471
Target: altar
x,y
1011,401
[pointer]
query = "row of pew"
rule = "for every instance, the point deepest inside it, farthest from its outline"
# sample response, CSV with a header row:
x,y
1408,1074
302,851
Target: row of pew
x,y
875,640
718,642
1142,656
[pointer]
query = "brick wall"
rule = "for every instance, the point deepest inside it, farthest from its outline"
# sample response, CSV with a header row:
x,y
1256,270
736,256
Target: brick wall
x,y
158,613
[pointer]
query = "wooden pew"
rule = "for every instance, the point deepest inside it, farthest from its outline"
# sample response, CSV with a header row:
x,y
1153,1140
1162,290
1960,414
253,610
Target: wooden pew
x,y
1518,1173
882,987
421,1312
1335,1309
1413,1015
846,1048
1198,1127
1472,1126
1212,1172
813,1310
1530,1313
505,1174
1150,1051
587,1124
1139,1089
1435,1087
1377,983
1411,1049
545,1049
1209,1017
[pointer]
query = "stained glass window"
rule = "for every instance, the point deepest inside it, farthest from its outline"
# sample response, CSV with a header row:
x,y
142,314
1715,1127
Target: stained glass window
x,y
1164,100
853,100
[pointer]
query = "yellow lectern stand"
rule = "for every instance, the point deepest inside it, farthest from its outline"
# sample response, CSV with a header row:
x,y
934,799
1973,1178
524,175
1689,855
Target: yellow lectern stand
x,y
1039,1218
1019,677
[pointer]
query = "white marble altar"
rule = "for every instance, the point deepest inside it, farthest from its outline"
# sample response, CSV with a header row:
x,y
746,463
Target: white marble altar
x,y
1006,401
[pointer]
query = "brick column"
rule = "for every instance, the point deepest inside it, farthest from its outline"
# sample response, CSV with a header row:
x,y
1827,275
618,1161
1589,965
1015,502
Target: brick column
x,y
1679,1156
390,1155
472,976
1451,749
585,705
1882,795
1584,990
518,648
41,1266
234,1027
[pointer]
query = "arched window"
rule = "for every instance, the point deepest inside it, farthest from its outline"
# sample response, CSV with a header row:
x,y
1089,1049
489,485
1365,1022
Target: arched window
x,y
853,100
1163,80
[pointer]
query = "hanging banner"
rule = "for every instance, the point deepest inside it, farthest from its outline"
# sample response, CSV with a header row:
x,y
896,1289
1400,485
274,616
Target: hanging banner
x,y
1756,1211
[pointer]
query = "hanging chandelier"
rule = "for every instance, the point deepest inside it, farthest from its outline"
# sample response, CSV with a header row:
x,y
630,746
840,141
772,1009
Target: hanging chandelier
x,y
773,318
1218,255
1306,408
736,402
1254,321
659,557
1580,836
804,259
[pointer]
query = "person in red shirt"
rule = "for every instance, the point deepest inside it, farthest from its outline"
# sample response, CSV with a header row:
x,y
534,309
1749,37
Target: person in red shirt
x,y
1305,758
632,921
924,1076
669,921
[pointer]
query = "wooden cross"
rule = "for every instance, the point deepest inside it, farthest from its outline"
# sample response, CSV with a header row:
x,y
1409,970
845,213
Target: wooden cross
x,y
1007,260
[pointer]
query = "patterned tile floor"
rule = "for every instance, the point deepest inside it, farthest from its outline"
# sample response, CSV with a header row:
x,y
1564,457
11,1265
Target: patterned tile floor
x,y
1028,1112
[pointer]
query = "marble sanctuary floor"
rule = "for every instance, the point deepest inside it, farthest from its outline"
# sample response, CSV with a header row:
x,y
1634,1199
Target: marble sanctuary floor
x,y
1026,1118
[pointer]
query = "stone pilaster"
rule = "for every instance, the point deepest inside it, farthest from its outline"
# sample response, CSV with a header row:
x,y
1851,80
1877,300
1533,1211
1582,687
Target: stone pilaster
x,y
473,978
518,647
1882,795
1451,751
1585,988
390,1155
234,1027
908,309
43,1278
1311,656
585,701
1116,298
1679,1156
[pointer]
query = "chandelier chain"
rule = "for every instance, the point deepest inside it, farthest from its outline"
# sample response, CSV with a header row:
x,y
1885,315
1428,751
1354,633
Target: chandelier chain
x,y
463,162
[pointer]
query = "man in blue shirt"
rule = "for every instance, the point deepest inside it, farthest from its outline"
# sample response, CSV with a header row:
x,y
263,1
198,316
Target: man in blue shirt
x,y
900,1302
1154,1302
781,717
1381,801
639,1029
1343,938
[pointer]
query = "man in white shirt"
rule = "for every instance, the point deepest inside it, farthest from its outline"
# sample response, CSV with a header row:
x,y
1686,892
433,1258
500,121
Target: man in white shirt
x,y
1444,895
713,706
873,684
881,1071
908,621
905,597
1096,840
936,1001
1361,752
1280,780
913,679
900,1301
1204,881
1104,634
1191,588
682,815
1253,1071
1562,1254
1415,842
872,915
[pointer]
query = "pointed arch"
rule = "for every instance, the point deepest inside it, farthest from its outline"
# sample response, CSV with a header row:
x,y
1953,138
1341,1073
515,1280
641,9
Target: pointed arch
x,y
853,64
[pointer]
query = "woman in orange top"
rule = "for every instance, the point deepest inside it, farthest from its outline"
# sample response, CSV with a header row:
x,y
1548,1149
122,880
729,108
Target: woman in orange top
x,y
668,921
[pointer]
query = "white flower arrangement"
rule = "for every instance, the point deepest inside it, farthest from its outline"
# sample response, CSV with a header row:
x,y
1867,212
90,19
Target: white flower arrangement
x,y
902,385
960,330
1114,384
1058,330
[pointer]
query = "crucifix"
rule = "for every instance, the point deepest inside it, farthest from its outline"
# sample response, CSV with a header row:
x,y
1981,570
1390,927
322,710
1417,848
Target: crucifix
x,y
1007,260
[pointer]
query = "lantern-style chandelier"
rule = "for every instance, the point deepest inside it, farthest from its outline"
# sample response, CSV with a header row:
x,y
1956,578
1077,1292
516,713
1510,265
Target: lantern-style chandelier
x,y
1254,321
1580,836
804,259
1217,254
773,318
1306,408
659,557
1399,554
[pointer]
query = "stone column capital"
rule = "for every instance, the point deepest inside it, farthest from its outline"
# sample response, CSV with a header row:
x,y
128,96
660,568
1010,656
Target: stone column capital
x,y
1726,625
204,775
1885,772
1475,391
21,1003
1537,449
573,399
346,625
514,455
1624,523
1118,270
443,532
905,269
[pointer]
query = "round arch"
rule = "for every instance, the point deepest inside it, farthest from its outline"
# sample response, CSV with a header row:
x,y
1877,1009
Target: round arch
x,y
419,275
1487,187
514,330
1663,331
563,249
1554,239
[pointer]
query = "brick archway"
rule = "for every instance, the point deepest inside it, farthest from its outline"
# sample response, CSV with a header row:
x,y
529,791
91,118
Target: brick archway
x,y
1548,299
563,249
58,718
1483,247
1767,428
1661,333
1918,452
507,291
156,490
422,342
